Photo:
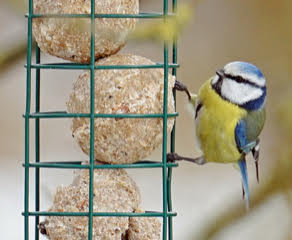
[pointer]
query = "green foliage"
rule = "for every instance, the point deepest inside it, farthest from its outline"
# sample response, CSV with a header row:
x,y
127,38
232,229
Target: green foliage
x,y
18,5
9,55
165,29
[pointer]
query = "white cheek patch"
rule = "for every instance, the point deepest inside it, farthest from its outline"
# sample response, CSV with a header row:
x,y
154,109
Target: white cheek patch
x,y
239,93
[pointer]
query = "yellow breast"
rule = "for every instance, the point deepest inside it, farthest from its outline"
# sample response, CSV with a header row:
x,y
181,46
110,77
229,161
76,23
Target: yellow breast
x,y
215,126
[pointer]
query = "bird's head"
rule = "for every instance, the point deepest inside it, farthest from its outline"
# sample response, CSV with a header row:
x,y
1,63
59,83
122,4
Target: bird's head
x,y
241,83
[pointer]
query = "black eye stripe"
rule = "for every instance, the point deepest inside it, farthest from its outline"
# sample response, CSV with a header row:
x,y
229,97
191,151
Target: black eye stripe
x,y
240,79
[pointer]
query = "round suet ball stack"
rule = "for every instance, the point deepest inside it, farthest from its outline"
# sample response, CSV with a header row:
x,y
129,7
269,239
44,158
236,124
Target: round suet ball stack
x,y
69,38
114,191
127,91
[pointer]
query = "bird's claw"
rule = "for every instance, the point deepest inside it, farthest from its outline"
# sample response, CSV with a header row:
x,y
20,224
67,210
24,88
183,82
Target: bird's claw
x,y
179,86
171,157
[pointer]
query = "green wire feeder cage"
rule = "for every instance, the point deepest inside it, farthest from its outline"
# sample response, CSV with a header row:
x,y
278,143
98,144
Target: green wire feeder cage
x,y
166,213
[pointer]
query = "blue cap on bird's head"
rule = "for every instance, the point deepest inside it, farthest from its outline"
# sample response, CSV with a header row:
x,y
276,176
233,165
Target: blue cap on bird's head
x,y
247,71
241,83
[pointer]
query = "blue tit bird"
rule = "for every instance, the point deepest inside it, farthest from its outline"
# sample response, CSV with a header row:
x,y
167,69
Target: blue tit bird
x,y
229,114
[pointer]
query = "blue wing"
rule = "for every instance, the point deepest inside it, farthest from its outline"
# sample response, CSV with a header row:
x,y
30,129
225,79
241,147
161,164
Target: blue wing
x,y
243,171
240,135
242,143
243,146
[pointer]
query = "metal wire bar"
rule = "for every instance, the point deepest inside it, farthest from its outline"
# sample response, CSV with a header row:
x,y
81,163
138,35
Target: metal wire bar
x,y
164,143
92,112
77,66
28,99
64,114
37,142
77,165
103,214
140,15
172,137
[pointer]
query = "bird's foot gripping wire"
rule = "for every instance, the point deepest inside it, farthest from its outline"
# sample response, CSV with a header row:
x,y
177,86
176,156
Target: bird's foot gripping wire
x,y
179,86
172,157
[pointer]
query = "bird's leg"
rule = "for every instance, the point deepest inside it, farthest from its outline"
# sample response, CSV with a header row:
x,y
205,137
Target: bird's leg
x,y
243,192
255,153
248,147
172,157
179,86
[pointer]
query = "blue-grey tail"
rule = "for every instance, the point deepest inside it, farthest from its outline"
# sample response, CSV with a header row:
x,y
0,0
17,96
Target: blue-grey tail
x,y
243,171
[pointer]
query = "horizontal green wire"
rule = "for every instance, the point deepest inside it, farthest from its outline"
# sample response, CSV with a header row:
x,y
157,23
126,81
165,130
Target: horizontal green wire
x,y
77,165
64,114
101,214
78,66
140,15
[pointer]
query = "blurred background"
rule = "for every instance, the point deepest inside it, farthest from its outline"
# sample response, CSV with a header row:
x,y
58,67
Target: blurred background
x,y
207,198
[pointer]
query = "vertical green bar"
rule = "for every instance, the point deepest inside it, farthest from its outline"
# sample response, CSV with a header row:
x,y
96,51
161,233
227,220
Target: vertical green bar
x,y
164,144
172,139
27,111
92,111
37,142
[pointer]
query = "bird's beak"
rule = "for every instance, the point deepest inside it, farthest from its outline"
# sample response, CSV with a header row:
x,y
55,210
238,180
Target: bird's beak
x,y
220,72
